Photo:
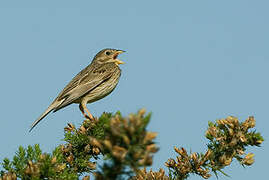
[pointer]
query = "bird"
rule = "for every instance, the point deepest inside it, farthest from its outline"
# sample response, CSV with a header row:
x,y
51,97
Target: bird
x,y
91,84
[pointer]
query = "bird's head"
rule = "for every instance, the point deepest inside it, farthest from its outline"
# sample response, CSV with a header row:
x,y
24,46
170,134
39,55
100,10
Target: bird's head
x,y
108,56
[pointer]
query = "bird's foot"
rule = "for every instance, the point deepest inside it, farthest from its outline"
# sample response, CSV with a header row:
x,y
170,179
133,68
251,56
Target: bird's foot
x,y
89,117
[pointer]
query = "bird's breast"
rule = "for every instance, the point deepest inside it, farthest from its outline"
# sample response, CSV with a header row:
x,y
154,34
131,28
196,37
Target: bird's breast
x,y
103,89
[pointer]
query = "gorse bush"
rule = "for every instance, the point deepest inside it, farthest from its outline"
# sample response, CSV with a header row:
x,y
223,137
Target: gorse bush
x,y
127,148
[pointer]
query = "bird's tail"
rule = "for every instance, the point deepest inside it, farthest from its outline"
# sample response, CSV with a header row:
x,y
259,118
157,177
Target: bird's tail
x,y
48,110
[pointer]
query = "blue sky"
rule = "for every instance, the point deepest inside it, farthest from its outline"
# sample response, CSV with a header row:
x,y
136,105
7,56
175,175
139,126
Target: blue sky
x,y
189,62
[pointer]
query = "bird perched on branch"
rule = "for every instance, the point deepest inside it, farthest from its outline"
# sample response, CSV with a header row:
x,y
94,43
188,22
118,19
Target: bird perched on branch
x,y
94,82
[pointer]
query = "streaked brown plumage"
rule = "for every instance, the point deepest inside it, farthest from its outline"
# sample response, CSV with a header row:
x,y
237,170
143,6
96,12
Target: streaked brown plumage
x,y
94,82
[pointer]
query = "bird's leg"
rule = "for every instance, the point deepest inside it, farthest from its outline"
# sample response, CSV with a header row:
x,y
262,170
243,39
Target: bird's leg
x,y
89,114
82,108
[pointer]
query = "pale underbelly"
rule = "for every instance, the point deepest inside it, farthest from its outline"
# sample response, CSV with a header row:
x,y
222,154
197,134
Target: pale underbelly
x,y
99,92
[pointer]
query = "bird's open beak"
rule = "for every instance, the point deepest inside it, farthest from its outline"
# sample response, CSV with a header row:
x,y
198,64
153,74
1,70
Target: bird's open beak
x,y
117,61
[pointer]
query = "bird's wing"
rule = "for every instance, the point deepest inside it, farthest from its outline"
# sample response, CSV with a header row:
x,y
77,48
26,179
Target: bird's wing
x,y
81,85
74,82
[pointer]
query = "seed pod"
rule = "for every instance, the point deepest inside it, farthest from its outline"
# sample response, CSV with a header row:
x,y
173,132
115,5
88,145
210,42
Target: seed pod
x,y
152,148
141,112
126,139
119,152
91,165
82,129
86,178
53,160
149,137
96,151
60,167
70,158
107,144
248,159
95,142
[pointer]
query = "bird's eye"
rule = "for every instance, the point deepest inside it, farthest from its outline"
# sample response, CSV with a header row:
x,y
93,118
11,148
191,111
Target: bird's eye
x,y
108,53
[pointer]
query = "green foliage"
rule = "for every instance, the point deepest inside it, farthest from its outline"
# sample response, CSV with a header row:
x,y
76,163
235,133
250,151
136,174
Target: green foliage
x,y
31,163
127,148
228,139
